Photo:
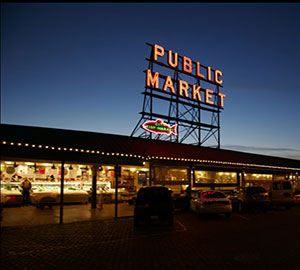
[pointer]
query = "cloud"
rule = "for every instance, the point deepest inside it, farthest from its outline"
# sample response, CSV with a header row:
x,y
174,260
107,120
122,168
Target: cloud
x,y
276,152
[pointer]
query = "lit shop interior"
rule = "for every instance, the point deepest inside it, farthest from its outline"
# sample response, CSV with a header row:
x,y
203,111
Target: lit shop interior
x,y
46,181
225,180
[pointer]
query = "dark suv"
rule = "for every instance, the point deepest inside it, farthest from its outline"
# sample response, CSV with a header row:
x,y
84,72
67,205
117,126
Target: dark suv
x,y
153,202
255,197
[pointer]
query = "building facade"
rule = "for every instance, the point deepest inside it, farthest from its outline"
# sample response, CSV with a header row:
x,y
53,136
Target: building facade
x,y
113,167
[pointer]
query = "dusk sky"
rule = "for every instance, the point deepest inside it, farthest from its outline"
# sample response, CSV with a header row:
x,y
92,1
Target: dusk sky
x,y
80,66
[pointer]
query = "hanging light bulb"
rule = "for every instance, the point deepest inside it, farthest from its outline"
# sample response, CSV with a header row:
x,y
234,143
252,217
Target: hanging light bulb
x,y
100,169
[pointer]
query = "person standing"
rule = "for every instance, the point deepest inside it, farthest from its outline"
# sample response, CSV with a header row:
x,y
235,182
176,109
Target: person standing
x,y
26,187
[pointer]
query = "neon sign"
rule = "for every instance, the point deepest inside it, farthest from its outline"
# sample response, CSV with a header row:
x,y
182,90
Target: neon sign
x,y
183,92
159,127
184,89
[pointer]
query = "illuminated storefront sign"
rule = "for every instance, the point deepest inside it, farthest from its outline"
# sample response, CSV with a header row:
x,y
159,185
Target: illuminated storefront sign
x,y
181,87
182,91
159,127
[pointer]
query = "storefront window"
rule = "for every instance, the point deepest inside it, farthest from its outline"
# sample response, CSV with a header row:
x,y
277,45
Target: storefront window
x,y
280,177
258,180
45,191
133,177
257,177
167,174
76,177
212,177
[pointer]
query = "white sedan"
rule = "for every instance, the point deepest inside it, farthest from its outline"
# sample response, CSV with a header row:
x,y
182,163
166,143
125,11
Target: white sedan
x,y
211,202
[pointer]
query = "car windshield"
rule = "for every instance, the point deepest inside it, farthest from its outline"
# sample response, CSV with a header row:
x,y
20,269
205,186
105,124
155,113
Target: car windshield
x,y
255,190
213,195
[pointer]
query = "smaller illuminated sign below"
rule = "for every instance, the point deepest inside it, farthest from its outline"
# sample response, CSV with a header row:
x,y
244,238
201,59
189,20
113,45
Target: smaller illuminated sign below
x,y
159,127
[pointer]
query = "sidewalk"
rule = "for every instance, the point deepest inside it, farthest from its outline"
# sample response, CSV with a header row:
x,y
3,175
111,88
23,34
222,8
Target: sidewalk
x,y
31,216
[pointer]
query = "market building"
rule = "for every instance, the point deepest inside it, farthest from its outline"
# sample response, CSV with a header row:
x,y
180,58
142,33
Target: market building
x,y
94,162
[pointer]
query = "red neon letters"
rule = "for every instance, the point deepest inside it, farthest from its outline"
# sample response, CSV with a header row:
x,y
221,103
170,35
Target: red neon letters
x,y
187,64
184,89
152,80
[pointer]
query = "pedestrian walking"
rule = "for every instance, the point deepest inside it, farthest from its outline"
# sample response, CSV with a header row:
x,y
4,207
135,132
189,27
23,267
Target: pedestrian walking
x,y
26,187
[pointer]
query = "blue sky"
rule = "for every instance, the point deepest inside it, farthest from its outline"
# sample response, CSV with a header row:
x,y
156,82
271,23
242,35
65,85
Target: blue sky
x,y
80,66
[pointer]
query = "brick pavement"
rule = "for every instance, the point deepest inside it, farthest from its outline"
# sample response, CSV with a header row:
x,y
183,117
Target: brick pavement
x,y
190,244
75,245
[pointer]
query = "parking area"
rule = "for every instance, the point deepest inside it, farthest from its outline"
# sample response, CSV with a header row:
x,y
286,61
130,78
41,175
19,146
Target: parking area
x,y
244,241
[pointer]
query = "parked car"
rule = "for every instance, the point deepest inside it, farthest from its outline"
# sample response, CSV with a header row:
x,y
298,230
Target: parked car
x,y
297,197
211,202
255,198
153,203
235,196
282,193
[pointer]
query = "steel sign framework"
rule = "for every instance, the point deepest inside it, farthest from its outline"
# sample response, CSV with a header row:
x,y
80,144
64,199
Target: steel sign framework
x,y
185,99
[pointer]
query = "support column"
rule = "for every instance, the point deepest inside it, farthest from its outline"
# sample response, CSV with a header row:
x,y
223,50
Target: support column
x,y
62,192
238,179
94,186
194,177
150,174
117,174
190,175
243,179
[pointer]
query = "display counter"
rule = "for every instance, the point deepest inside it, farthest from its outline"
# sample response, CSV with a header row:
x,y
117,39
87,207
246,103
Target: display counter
x,y
48,193
11,196
74,196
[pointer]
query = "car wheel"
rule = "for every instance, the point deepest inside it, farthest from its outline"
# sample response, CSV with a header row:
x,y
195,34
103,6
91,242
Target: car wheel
x,y
244,208
239,207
